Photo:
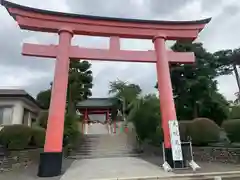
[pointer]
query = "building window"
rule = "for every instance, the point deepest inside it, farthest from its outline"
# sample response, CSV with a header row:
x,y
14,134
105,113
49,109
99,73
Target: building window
x,y
6,115
25,117
1,115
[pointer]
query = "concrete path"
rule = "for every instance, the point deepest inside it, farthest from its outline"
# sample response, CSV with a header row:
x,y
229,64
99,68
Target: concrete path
x,y
107,168
121,168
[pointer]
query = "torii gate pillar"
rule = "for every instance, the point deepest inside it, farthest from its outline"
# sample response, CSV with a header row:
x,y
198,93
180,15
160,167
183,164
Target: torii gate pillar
x,y
55,127
167,107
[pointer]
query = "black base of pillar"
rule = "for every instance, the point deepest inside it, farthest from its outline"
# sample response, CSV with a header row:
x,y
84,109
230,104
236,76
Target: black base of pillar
x,y
50,164
174,164
168,156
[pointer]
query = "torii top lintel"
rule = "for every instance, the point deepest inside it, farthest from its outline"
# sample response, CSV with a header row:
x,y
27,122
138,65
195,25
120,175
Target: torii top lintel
x,y
48,21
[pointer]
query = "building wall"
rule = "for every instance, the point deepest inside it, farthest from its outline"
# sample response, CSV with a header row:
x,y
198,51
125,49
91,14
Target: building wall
x,y
19,106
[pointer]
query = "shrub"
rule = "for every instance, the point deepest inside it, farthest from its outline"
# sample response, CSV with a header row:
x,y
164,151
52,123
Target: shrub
x,y
71,130
203,131
157,137
145,117
42,119
184,130
38,136
15,137
234,112
232,128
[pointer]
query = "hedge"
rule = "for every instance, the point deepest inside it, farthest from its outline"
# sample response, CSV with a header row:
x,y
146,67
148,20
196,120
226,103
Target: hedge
x,y
19,137
71,130
203,131
157,137
42,119
38,136
15,137
232,128
184,130
234,112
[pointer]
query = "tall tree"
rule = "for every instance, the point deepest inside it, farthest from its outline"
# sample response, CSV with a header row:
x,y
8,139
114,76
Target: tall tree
x,y
146,117
125,90
79,83
230,60
43,98
127,93
79,86
194,85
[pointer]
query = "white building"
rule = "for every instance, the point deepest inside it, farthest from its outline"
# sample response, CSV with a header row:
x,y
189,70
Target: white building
x,y
17,107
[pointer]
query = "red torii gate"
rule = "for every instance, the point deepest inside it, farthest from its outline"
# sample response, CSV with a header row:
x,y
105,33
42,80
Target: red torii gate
x,y
67,25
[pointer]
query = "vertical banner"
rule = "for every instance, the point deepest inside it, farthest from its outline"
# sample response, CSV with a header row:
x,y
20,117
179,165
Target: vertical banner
x,y
175,140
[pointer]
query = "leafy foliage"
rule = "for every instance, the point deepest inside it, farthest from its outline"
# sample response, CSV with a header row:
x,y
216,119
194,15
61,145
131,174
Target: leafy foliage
x,y
232,128
194,85
79,86
79,83
184,130
146,118
234,112
203,131
157,136
15,137
38,136
128,94
43,98
42,119
71,132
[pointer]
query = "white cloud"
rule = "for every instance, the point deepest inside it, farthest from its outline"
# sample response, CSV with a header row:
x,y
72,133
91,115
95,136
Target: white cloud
x,y
18,77
35,74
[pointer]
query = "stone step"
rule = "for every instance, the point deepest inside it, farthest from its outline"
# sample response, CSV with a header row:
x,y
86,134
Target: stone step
x,y
97,146
105,147
104,152
89,156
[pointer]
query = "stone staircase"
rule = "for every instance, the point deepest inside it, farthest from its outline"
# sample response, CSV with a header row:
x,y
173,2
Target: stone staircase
x,y
105,145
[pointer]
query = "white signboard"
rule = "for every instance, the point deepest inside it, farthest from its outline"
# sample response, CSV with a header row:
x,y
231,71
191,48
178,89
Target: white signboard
x,y
175,140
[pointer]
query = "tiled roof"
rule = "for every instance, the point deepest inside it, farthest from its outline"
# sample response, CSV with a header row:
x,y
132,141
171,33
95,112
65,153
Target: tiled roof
x,y
12,92
17,93
97,102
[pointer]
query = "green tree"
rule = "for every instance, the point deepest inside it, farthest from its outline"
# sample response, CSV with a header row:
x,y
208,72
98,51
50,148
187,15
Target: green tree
x,y
43,98
146,117
229,60
125,90
234,112
79,83
79,86
195,87
128,93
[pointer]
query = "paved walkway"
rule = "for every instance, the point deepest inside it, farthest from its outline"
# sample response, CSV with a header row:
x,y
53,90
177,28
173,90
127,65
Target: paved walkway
x,y
113,168
92,169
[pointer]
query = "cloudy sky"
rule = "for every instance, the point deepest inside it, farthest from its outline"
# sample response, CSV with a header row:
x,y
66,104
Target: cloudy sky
x,y
35,74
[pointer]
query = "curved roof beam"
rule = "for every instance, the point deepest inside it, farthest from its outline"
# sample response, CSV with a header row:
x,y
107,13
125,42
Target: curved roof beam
x,y
49,21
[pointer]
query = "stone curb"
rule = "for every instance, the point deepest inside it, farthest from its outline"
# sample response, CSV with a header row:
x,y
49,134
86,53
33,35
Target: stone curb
x,y
180,176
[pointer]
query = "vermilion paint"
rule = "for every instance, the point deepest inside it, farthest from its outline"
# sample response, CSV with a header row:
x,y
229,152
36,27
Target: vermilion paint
x,y
167,107
55,126
68,24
